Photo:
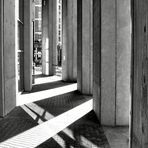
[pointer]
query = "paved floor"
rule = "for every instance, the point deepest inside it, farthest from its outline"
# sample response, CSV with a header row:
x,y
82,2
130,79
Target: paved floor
x,y
62,121
23,127
118,137
38,70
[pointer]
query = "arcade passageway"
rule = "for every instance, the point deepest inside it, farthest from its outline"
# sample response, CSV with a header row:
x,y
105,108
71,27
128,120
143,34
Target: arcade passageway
x,y
93,59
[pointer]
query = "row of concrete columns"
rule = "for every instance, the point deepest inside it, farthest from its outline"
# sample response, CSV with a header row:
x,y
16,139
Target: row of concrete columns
x,y
70,57
110,77
96,53
8,52
77,44
103,57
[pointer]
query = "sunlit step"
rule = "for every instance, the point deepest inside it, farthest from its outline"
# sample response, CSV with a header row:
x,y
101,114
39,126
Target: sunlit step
x,y
36,96
51,79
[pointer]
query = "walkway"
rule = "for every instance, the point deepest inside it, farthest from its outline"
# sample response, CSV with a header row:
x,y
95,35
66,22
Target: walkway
x,y
65,120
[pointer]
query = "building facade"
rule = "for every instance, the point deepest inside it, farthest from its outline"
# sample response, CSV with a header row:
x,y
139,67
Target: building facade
x,y
38,21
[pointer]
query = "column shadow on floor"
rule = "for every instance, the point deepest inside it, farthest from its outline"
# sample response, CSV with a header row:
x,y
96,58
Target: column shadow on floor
x,y
85,132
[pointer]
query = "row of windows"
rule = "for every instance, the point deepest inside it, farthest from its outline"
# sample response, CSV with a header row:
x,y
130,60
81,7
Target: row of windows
x,y
38,12
38,2
38,36
60,1
38,25
38,19
60,26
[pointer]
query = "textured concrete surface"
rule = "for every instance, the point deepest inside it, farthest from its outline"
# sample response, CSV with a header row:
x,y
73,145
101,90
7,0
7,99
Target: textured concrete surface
x,y
115,62
28,44
45,38
118,137
1,62
69,56
97,57
49,37
87,47
79,42
108,59
139,123
123,97
85,68
9,55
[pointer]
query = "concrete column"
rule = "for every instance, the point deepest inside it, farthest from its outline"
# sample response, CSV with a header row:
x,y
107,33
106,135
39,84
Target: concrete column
x,y
79,46
85,48
1,61
97,57
28,44
139,120
55,60
108,59
115,62
49,36
45,38
7,57
69,51
123,59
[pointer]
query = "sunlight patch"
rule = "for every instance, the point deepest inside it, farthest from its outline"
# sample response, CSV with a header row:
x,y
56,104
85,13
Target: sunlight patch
x,y
41,133
50,79
36,96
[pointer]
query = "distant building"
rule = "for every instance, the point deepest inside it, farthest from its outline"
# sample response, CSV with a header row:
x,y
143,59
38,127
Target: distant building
x,y
38,21
59,22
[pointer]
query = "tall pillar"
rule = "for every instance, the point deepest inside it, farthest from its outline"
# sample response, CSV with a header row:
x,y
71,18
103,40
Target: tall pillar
x,y
85,47
108,61
49,48
139,120
28,44
1,61
79,46
97,57
114,79
45,38
123,62
69,50
55,52
7,57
